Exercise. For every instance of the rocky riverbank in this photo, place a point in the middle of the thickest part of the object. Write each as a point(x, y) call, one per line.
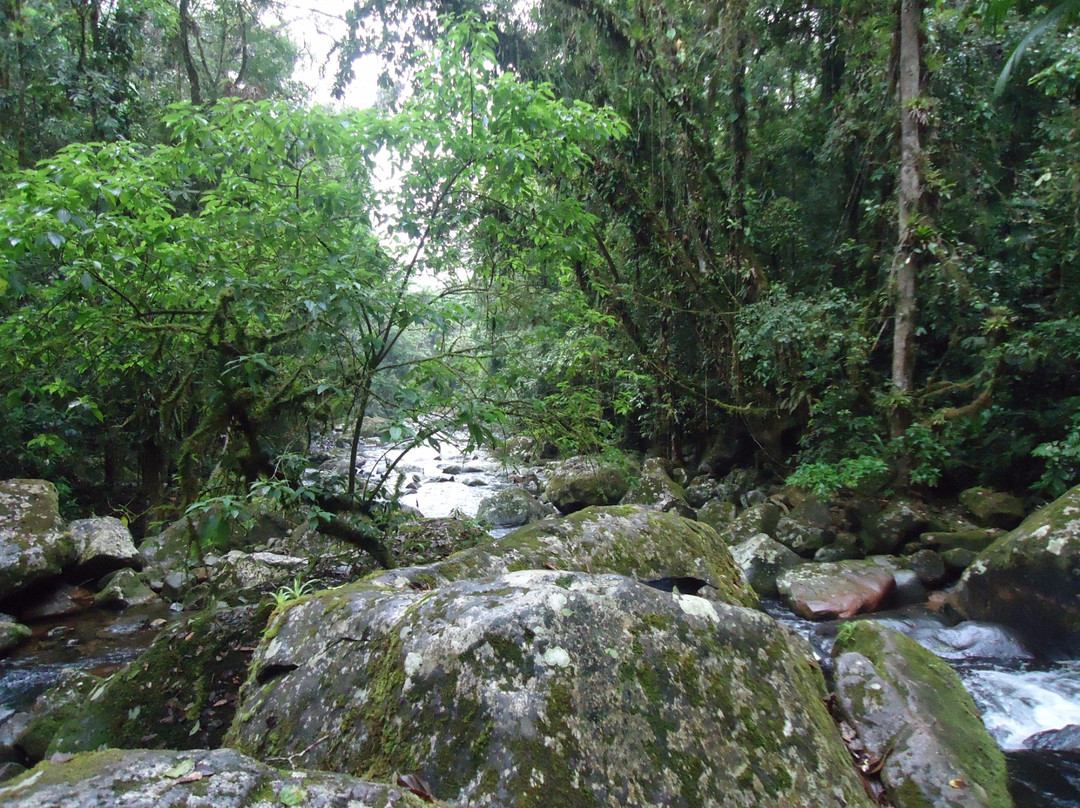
point(610, 652)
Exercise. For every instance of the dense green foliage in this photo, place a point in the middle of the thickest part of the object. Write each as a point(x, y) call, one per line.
point(193, 285)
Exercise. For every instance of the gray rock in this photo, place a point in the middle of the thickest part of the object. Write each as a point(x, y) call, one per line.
point(911, 712)
point(901, 521)
point(624, 539)
point(844, 546)
point(839, 589)
point(552, 688)
point(583, 481)
point(993, 508)
point(219, 778)
point(61, 600)
point(718, 514)
point(52, 708)
point(180, 693)
point(242, 577)
point(701, 490)
point(104, 544)
point(512, 507)
point(1028, 579)
point(123, 589)
point(928, 565)
point(760, 518)
point(12, 635)
point(33, 543)
point(657, 491)
point(801, 538)
point(1065, 739)
point(762, 559)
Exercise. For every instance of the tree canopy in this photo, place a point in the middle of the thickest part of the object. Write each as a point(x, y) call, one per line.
point(674, 227)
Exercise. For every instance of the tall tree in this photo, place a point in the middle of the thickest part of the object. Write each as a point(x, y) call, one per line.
point(909, 198)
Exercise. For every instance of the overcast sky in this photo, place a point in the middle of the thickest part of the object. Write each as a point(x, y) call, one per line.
point(316, 29)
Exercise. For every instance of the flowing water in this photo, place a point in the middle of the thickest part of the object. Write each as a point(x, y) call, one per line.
point(1020, 698)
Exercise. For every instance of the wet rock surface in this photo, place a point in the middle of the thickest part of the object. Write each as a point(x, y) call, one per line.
point(219, 778)
point(548, 688)
point(1029, 579)
point(835, 589)
point(915, 720)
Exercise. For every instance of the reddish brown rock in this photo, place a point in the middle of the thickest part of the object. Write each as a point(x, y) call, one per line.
point(838, 589)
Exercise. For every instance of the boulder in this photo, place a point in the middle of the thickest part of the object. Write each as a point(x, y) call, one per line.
point(34, 546)
point(700, 490)
point(835, 589)
point(901, 521)
point(180, 693)
point(624, 539)
point(185, 541)
point(974, 539)
point(219, 778)
point(762, 559)
point(657, 491)
point(511, 507)
point(760, 518)
point(718, 514)
point(1029, 579)
point(240, 577)
point(12, 634)
point(582, 481)
point(914, 718)
point(424, 541)
point(59, 600)
point(548, 688)
point(52, 708)
point(993, 509)
point(123, 589)
point(104, 544)
point(1063, 739)
point(801, 538)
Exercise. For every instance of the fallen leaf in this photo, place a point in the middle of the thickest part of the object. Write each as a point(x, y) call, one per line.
point(291, 795)
point(957, 782)
point(191, 778)
point(190, 636)
point(417, 785)
point(184, 767)
point(221, 702)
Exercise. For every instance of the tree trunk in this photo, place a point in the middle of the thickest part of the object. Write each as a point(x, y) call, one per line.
point(186, 32)
point(910, 193)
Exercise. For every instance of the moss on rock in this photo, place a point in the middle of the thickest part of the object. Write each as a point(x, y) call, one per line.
point(548, 688)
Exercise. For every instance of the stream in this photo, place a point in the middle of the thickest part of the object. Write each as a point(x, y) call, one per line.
point(1018, 695)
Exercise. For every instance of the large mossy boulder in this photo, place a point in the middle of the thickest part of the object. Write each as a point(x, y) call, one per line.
point(34, 546)
point(180, 693)
point(219, 778)
point(546, 688)
point(624, 539)
point(1029, 579)
point(911, 713)
point(584, 481)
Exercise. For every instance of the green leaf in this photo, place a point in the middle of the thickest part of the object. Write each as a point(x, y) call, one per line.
point(183, 767)
point(291, 795)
